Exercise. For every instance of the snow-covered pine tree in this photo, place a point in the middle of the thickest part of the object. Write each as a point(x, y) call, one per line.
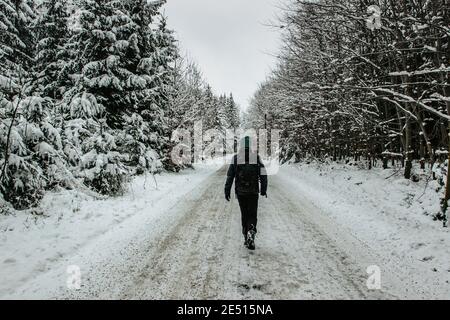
point(147, 50)
point(21, 178)
point(188, 83)
point(100, 71)
point(140, 56)
point(166, 55)
point(222, 116)
point(215, 121)
point(16, 48)
point(135, 44)
point(36, 161)
point(134, 141)
point(208, 111)
point(16, 38)
point(98, 99)
point(232, 110)
point(161, 116)
point(52, 32)
point(102, 167)
point(90, 146)
point(222, 107)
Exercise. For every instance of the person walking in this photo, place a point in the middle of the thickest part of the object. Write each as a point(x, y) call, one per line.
point(248, 172)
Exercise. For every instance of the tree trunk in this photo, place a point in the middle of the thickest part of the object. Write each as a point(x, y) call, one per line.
point(408, 138)
point(446, 91)
point(422, 155)
point(408, 160)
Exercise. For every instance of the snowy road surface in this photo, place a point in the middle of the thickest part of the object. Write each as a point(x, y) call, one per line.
point(197, 252)
point(203, 256)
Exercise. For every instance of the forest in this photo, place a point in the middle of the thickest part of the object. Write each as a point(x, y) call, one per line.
point(116, 173)
point(363, 81)
point(90, 93)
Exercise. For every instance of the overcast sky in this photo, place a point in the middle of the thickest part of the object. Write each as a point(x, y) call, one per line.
point(229, 41)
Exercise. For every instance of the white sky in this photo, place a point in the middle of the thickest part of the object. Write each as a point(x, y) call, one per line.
point(229, 40)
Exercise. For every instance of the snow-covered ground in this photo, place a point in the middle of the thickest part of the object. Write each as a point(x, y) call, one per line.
point(392, 216)
point(44, 242)
point(319, 230)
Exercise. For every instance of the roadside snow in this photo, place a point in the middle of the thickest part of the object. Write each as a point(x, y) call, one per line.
point(41, 243)
point(391, 215)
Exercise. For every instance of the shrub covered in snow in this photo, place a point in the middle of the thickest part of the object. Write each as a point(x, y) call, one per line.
point(134, 143)
point(101, 165)
point(35, 159)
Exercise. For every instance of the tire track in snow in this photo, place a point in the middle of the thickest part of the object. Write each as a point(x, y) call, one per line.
point(179, 267)
point(202, 256)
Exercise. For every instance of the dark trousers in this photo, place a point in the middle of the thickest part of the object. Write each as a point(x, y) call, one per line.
point(249, 211)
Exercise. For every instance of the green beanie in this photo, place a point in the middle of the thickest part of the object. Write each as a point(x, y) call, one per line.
point(245, 142)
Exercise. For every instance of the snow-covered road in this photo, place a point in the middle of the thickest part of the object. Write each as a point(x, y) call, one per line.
point(301, 254)
point(196, 252)
point(203, 256)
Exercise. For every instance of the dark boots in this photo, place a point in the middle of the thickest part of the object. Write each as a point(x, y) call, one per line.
point(250, 238)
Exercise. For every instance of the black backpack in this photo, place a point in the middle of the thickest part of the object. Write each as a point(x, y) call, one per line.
point(247, 178)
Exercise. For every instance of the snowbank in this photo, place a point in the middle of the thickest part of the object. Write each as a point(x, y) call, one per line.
point(393, 216)
point(69, 224)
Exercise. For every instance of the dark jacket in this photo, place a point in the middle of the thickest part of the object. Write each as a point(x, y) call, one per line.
point(232, 175)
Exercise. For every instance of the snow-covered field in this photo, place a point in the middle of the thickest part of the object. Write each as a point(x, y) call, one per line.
point(319, 230)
